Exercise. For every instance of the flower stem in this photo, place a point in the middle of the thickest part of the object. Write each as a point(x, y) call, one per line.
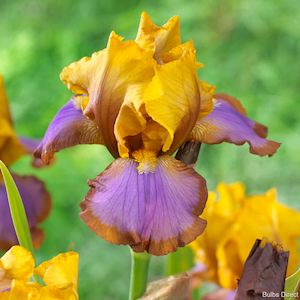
point(139, 274)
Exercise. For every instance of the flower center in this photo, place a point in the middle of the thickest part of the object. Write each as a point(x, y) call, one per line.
point(146, 159)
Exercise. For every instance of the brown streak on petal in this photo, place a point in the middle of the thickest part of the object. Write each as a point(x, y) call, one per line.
point(4, 245)
point(38, 237)
point(261, 130)
point(114, 236)
point(109, 233)
point(269, 149)
point(166, 246)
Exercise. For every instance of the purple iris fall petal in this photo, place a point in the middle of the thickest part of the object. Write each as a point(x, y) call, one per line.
point(158, 211)
point(68, 128)
point(228, 123)
point(37, 205)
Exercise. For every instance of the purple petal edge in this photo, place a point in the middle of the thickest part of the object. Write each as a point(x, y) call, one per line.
point(68, 128)
point(227, 124)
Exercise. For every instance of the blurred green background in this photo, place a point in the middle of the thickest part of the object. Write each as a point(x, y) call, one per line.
point(251, 49)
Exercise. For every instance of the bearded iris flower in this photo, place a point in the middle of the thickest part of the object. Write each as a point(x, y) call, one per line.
point(35, 197)
point(235, 221)
point(59, 275)
point(143, 99)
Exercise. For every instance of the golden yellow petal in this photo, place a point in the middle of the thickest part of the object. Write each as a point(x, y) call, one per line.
point(10, 147)
point(206, 91)
point(177, 52)
point(235, 221)
point(158, 39)
point(230, 263)
point(61, 271)
point(78, 76)
point(5, 296)
point(17, 263)
point(172, 99)
point(47, 293)
point(4, 108)
point(130, 121)
point(232, 197)
point(105, 78)
point(154, 136)
point(21, 290)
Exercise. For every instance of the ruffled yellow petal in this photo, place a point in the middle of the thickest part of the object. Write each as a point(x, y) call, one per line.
point(230, 263)
point(158, 39)
point(10, 147)
point(105, 78)
point(207, 92)
point(220, 212)
point(172, 98)
point(154, 136)
point(25, 291)
point(235, 221)
point(4, 296)
point(4, 108)
point(130, 121)
point(60, 274)
point(17, 263)
point(176, 52)
point(135, 128)
point(232, 199)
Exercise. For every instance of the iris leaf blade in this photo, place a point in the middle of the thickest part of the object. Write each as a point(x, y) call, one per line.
point(17, 209)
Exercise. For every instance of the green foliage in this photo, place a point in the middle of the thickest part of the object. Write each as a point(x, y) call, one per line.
point(16, 209)
point(250, 49)
point(292, 284)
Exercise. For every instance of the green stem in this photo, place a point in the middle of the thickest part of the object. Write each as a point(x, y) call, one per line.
point(139, 274)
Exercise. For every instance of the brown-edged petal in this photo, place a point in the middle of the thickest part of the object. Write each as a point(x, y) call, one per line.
point(228, 123)
point(157, 211)
point(68, 128)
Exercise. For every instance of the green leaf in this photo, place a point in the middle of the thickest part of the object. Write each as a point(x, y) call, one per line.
point(17, 209)
point(291, 285)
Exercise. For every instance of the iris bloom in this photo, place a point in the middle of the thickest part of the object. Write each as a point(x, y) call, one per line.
point(142, 99)
point(59, 275)
point(235, 221)
point(35, 197)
